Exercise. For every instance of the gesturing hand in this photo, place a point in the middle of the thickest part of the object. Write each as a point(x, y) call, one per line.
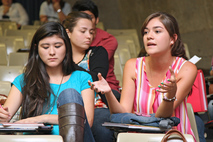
point(100, 86)
point(171, 87)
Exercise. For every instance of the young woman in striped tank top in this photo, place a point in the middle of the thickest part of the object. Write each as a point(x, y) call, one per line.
point(160, 82)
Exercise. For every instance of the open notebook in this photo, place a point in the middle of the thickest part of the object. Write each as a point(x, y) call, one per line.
point(22, 127)
point(119, 127)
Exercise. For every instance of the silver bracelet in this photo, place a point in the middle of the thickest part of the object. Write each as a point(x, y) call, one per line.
point(169, 100)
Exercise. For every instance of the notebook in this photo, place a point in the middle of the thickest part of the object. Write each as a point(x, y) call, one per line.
point(29, 127)
point(120, 127)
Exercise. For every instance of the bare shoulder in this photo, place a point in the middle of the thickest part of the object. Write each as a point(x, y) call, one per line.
point(129, 68)
point(188, 69)
point(131, 62)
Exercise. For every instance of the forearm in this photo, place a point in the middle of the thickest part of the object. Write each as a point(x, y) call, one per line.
point(114, 105)
point(165, 109)
point(61, 16)
point(50, 118)
point(45, 118)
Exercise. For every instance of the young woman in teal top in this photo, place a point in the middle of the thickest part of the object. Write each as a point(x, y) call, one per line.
point(49, 71)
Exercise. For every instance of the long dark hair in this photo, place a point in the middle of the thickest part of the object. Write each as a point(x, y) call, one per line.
point(36, 91)
point(172, 27)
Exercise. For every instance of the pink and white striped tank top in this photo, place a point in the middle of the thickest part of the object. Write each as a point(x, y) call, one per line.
point(147, 99)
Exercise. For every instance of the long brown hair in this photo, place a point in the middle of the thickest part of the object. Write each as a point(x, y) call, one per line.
point(172, 27)
point(36, 91)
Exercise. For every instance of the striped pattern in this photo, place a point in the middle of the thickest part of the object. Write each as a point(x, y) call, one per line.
point(147, 99)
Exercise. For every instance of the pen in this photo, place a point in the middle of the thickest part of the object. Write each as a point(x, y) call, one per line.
point(1, 106)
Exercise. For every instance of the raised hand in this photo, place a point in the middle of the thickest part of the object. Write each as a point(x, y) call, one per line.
point(100, 86)
point(56, 6)
point(171, 87)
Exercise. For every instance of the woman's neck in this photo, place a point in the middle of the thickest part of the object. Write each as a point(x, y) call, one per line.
point(55, 74)
point(163, 62)
point(156, 69)
point(78, 55)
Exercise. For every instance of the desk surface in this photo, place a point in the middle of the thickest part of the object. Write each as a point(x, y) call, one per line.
point(31, 138)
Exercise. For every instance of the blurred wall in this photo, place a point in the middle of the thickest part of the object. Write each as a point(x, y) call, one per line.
point(195, 20)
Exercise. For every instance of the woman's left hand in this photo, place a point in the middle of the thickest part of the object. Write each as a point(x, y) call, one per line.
point(171, 87)
point(100, 86)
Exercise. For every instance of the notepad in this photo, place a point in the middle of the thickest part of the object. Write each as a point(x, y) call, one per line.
point(29, 127)
point(132, 127)
point(20, 125)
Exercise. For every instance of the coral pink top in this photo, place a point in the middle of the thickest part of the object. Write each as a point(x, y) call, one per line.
point(147, 99)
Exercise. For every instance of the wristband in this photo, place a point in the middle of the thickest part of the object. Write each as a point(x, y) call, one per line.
point(59, 10)
point(169, 100)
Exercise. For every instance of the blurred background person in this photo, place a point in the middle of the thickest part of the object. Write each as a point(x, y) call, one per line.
point(54, 10)
point(13, 11)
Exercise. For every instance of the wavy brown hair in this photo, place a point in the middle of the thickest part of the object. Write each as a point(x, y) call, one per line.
point(172, 27)
point(36, 91)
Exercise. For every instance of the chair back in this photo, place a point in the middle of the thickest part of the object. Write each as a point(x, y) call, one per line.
point(128, 40)
point(8, 25)
point(192, 120)
point(10, 42)
point(1, 31)
point(3, 54)
point(18, 58)
point(30, 27)
point(9, 73)
point(132, 32)
point(123, 54)
point(118, 70)
point(5, 87)
point(26, 34)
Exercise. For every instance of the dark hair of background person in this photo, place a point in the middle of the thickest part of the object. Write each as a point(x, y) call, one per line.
point(72, 19)
point(36, 91)
point(84, 5)
point(61, 3)
point(172, 27)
